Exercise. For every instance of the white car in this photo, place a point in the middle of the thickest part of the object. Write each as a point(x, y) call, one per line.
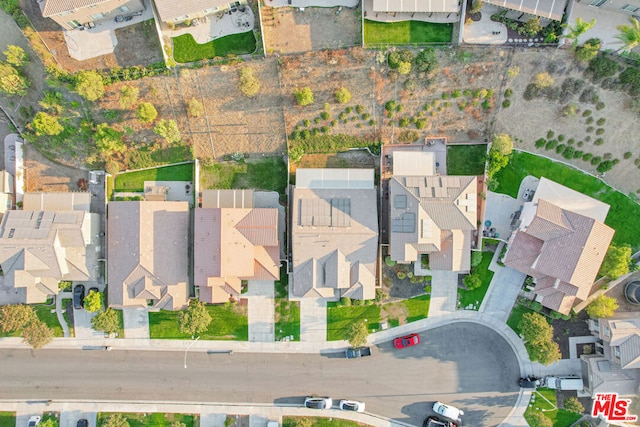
point(448, 411)
point(318, 402)
point(351, 405)
point(34, 421)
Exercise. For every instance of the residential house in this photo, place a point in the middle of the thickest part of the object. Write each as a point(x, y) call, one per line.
point(70, 14)
point(334, 228)
point(7, 191)
point(522, 10)
point(616, 365)
point(624, 7)
point(78, 201)
point(431, 214)
point(561, 243)
point(233, 242)
point(416, 6)
point(40, 248)
point(171, 11)
point(148, 254)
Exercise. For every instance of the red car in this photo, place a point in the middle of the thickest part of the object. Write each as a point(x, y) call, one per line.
point(408, 341)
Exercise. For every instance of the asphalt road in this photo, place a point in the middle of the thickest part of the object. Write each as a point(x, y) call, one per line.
point(464, 364)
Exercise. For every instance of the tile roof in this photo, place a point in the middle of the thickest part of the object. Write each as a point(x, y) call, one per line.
point(334, 243)
point(148, 254)
point(227, 198)
point(552, 9)
point(61, 201)
point(53, 7)
point(231, 245)
point(608, 377)
point(425, 6)
point(169, 10)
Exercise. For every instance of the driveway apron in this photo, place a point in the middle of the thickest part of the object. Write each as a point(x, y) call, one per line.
point(313, 319)
point(444, 293)
point(503, 290)
point(261, 310)
point(136, 323)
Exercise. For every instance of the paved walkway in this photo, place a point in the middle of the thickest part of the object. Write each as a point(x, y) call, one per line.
point(313, 320)
point(503, 290)
point(485, 31)
point(60, 309)
point(136, 323)
point(444, 293)
point(215, 26)
point(261, 310)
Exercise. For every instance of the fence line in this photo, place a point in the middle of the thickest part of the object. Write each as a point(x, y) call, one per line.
point(157, 167)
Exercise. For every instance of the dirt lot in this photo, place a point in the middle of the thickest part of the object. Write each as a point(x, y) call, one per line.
point(287, 30)
point(137, 44)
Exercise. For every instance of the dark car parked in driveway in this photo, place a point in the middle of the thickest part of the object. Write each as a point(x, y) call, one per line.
point(78, 297)
point(82, 423)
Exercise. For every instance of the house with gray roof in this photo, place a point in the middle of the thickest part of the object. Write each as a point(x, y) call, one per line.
point(430, 214)
point(71, 14)
point(148, 263)
point(561, 243)
point(188, 10)
point(616, 365)
point(40, 248)
point(334, 233)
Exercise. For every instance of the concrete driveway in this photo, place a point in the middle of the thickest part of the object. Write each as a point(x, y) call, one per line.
point(82, 324)
point(313, 319)
point(71, 418)
point(261, 310)
point(136, 323)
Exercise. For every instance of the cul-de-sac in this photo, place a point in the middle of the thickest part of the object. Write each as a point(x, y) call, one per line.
point(319, 213)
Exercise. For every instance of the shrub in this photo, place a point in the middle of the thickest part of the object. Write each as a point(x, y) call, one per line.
point(599, 131)
point(540, 142)
point(248, 83)
point(146, 112)
point(589, 129)
point(89, 85)
point(589, 120)
point(345, 301)
point(551, 144)
point(630, 78)
point(578, 154)
point(401, 275)
point(568, 152)
point(508, 93)
point(601, 67)
point(543, 80)
point(343, 95)
point(421, 123)
point(627, 155)
point(550, 134)
point(325, 116)
point(587, 156)
point(426, 61)
point(46, 124)
point(404, 122)
point(601, 121)
point(598, 141)
point(568, 110)
point(536, 306)
point(304, 96)
point(128, 96)
point(595, 160)
point(195, 108)
point(571, 141)
point(560, 138)
point(168, 129)
point(605, 166)
point(472, 281)
point(390, 107)
point(505, 104)
point(590, 96)
point(586, 113)
point(560, 148)
point(408, 136)
point(600, 105)
point(588, 50)
point(476, 258)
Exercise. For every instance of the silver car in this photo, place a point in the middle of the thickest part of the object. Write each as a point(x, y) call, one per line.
point(318, 402)
point(351, 405)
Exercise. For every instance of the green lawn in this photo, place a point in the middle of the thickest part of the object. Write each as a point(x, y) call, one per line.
point(288, 319)
point(560, 417)
point(120, 330)
point(110, 186)
point(185, 48)
point(152, 420)
point(416, 308)
point(624, 214)
point(266, 174)
point(7, 419)
point(466, 159)
point(406, 32)
point(340, 318)
point(229, 322)
point(282, 285)
point(134, 181)
point(516, 316)
point(470, 297)
point(51, 319)
point(320, 422)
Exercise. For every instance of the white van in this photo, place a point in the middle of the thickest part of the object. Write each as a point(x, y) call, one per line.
point(564, 383)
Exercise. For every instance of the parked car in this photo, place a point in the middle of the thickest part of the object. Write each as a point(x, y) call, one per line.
point(351, 405)
point(272, 424)
point(529, 382)
point(407, 341)
point(434, 421)
point(34, 421)
point(355, 353)
point(78, 297)
point(448, 411)
point(318, 402)
point(82, 423)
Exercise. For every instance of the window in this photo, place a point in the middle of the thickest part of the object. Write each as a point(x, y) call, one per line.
point(616, 352)
point(73, 24)
point(124, 9)
point(97, 16)
point(630, 8)
point(597, 3)
point(181, 18)
point(607, 331)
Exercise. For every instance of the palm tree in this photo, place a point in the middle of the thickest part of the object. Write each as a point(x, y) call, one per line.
point(579, 29)
point(629, 35)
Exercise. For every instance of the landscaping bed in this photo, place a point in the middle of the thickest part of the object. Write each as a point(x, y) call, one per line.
point(153, 419)
point(559, 417)
point(574, 327)
point(320, 422)
point(476, 296)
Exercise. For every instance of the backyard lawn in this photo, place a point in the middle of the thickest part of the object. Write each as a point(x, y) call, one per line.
point(134, 181)
point(466, 159)
point(624, 214)
point(7, 419)
point(185, 48)
point(559, 417)
point(152, 420)
point(339, 318)
point(266, 174)
point(229, 322)
point(470, 297)
point(376, 33)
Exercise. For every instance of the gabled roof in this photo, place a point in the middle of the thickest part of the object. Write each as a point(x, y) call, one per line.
point(148, 254)
point(607, 377)
point(231, 245)
point(435, 215)
point(625, 333)
point(53, 7)
point(334, 226)
point(169, 10)
point(61, 201)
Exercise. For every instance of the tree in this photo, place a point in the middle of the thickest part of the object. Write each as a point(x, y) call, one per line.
point(128, 96)
point(195, 319)
point(538, 419)
point(89, 85)
point(16, 55)
point(49, 422)
point(578, 29)
point(404, 68)
point(602, 307)
point(146, 112)
point(304, 96)
point(93, 301)
point(476, 6)
point(168, 129)
point(107, 139)
point(546, 352)
point(476, 259)
point(343, 95)
point(572, 404)
point(15, 317)
point(46, 124)
point(532, 26)
point(616, 262)
point(249, 84)
point(195, 108)
point(588, 50)
point(426, 61)
point(11, 82)
point(629, 34)
point(472, 281)
point(502, 143)
point(106, 321)
point(37, 334)
point(357, 333)
point(115, 420)
point(535, 329)
point(398, 57)
point(177, 423)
